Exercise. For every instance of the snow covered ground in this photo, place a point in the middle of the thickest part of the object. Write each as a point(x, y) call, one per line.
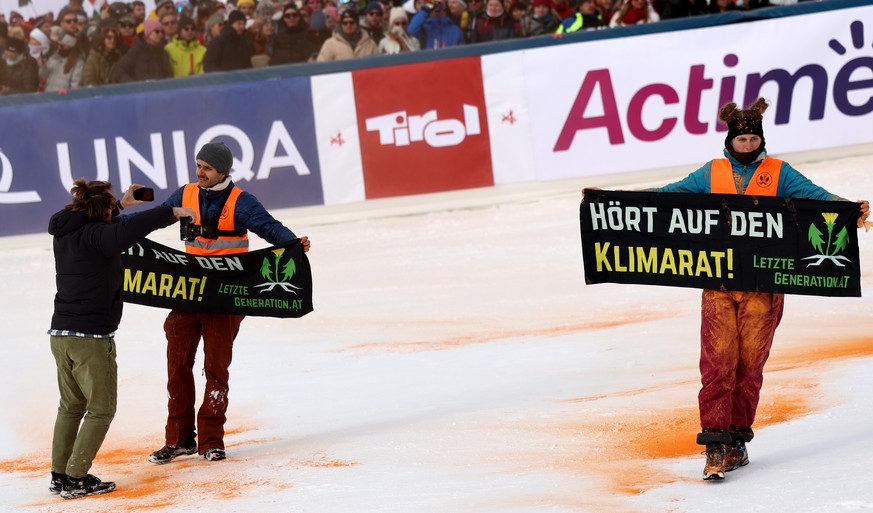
point(456, 362)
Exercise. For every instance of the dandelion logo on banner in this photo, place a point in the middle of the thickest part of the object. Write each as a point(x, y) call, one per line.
point(833, 246)
point(275, 277)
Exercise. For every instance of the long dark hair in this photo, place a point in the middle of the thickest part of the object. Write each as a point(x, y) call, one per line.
point(74, 55)
point(100, 41)
point(94, 198)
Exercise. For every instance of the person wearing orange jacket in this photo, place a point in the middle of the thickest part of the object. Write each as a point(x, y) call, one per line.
point(224, 216)
point(737, 328)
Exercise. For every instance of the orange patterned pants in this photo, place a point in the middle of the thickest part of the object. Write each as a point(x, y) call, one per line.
point(736, 333)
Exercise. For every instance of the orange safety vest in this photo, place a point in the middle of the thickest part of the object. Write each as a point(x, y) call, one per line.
point(224, 244)
point(764, 182)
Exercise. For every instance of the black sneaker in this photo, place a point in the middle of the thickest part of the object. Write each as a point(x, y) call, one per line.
point(57, 483)
point(714, 468)
point(214, 454)
point(737, 456)
point(73, 487)
point(168, 453)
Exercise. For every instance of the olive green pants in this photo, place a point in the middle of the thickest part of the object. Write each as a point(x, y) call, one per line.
point(88, 383)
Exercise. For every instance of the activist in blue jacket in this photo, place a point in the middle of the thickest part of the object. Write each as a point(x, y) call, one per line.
point(88, 239)
point(791, 183)
point(737, 328)
point(433, 28)
point(223, 215)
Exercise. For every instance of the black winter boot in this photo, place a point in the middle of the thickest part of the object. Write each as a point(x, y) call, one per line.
point(75, 487)
point(57, 483)
point(168, 453)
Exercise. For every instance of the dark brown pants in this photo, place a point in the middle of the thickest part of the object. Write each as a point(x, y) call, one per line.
point(736, 333)
point(184, 331)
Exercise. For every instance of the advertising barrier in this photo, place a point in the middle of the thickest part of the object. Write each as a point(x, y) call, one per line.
point(151, 139)
point(638, 103)
point(569, 109)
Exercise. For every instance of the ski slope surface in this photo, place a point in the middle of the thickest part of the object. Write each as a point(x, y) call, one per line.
point(456, 362)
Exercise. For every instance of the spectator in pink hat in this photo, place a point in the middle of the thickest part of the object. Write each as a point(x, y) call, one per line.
point(146, 59)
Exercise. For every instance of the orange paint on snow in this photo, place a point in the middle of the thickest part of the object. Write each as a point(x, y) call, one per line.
point(551, 331)
point(816, 351)
point(625, 450)
point(323, 460)
point(143, 486)
point(329, 463)
point(27, 464)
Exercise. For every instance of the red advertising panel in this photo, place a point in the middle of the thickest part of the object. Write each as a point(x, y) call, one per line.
point(423, 128)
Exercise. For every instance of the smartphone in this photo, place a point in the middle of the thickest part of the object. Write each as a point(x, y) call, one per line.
point(144, 194)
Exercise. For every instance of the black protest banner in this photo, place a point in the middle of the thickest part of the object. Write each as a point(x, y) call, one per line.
point(721, 241)
point(272, 282)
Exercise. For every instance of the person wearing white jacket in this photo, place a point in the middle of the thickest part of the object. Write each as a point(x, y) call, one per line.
point(397, 39)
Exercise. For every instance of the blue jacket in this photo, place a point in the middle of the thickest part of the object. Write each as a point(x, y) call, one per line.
point(249, 214)
point(439, 31)
point(792, 184)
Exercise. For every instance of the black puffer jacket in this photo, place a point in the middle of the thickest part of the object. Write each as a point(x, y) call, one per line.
point(21, 78)
point(293, 45)
point(88, 266)
point(142, 62)
point(228, 51)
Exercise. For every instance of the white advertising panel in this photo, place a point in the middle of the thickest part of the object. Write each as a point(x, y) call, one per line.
point(512, 157)
point(339, 145)
point(652, 101)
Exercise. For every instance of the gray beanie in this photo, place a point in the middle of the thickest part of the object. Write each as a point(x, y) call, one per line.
point(217, 155)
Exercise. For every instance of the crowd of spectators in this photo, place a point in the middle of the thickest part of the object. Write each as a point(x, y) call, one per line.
point(122, 42)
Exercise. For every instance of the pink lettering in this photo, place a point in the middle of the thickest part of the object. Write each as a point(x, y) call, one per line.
point(576, 120)
point(635, 112)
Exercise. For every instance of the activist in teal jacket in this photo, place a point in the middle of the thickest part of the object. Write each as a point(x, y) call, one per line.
point(792, 184)
point(184, 433)
point(737, 328)
point(88, 239)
